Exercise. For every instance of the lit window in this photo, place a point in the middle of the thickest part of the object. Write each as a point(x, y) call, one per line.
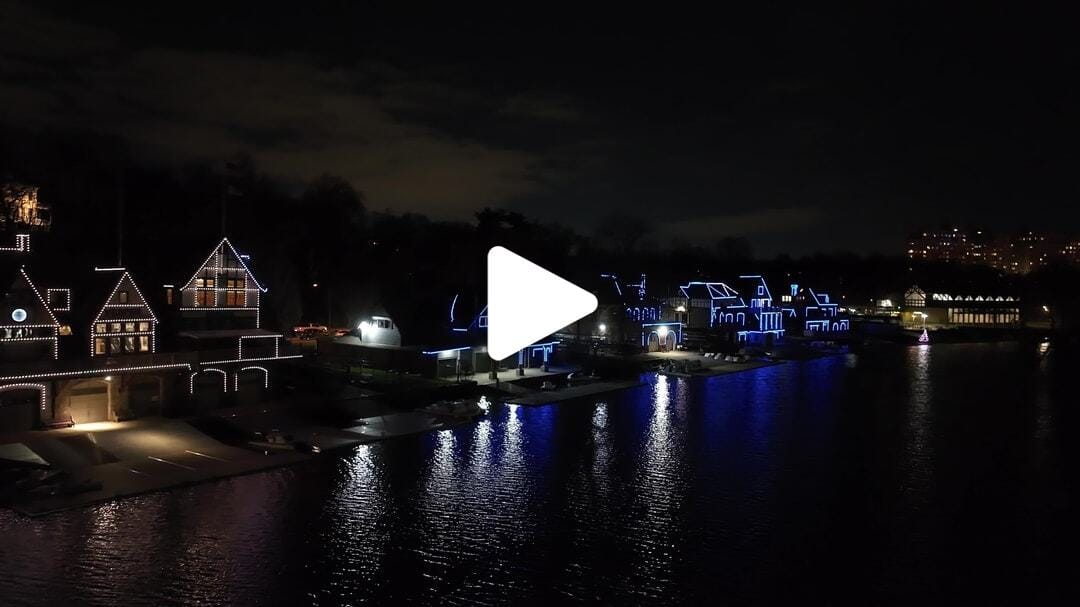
point(99, 346)
point(129, 327)
point(114, 327)
point(122, 297)
point(144, 343)
point(144, 326)
point(101, 328)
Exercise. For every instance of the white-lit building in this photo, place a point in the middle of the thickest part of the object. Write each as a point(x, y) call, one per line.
point(87, 346)
point(942, 310)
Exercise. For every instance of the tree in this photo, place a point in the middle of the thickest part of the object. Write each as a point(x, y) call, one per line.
point(734, 248)
point(623, 232)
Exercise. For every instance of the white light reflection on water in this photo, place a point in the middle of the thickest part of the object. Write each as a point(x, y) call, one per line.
point(1044, 414)
point(360, 508)
point(440, 488)
point(918, 449)
point(601, 443)
point(659, 492)
point(480, 454)
point(512, 442)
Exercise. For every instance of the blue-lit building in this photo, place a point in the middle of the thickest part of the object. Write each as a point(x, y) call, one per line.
point(814, 313)
point(822, 316)
point(465, 349)
point(627, 315)
point(717, 312)
point(764, 321)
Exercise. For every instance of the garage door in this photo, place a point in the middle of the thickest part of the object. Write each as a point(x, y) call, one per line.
point(19, 410)
point(143, 399)
point(208, 391)
point(89, 405)
point(250, 388)
point(447, 367)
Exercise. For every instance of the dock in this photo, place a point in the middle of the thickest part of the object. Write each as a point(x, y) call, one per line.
point(115, 460)
point(545, 397)
point(111, 460)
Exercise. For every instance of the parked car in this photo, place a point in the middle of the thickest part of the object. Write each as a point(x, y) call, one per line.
point(310, 331)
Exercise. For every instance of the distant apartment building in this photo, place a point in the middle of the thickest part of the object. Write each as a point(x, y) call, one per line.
point(1070, 251)
point(951, 245)
point(1017, 253)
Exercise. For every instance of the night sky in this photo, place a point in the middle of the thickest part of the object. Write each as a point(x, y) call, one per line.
point(799, 131)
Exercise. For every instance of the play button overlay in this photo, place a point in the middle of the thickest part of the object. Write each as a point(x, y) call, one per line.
point(526, 303)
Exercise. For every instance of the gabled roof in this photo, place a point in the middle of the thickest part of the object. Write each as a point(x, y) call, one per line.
point(821, 299)
point(112, 309)
point(24, 295)
point(465, 309)
point(229, 249)
point(610, 289)
point(708, 290)
point(758, 279)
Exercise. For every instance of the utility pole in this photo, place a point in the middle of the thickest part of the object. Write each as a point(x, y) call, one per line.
point(121, 190)
point(224, 199)
point(231, 169)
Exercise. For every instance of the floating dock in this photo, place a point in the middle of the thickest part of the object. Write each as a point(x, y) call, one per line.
point(544, 397)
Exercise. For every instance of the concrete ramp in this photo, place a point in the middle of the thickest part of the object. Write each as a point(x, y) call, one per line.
point(21, 454)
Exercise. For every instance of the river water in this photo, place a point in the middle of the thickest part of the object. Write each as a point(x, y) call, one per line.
point(892, 475)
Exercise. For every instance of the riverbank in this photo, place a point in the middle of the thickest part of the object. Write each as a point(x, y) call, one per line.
point(107, 461)
point(93, 463)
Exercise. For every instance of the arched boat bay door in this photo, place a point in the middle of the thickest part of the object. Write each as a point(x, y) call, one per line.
point(20, 407)
point(208, 389)
point(250, 385)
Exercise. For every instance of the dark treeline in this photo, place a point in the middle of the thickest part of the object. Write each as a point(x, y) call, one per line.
point(323, 252)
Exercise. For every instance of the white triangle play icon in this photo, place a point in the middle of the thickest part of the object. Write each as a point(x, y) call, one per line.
point(527, 303)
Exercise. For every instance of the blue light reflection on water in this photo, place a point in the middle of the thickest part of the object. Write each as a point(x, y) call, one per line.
point(839, 477)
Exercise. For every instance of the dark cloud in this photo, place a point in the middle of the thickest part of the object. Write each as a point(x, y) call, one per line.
point(297, 118)
point(802, 130)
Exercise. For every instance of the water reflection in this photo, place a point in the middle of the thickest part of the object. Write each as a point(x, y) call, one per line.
point(919, 464)
point(742, 488)
point(360, 507)
point(658, 497)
